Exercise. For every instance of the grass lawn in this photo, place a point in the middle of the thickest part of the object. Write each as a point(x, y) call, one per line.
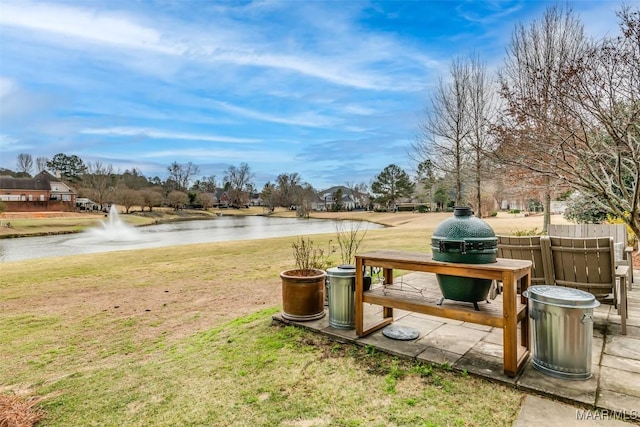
point(183, 336)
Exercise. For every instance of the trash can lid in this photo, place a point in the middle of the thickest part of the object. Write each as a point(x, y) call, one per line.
point(344, 270)
point(561, 296)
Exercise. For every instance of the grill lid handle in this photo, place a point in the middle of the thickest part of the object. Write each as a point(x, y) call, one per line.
point(462, 246)
point(447, 245)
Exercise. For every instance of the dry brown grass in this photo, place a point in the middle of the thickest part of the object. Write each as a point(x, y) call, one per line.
point(18, 412)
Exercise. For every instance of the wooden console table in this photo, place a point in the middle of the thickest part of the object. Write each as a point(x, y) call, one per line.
point(512, 312)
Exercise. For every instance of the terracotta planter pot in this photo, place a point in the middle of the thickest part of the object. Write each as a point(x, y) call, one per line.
point(303, 294)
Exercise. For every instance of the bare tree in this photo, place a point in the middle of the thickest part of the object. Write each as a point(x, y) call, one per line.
point(205, 199)
point(128, 198)
point(579, 122)
point(100, 181)
point(442, 135)
point(177, 199)
point(601, 149)
point(536, 56)
point(41, 164)
point(25, 163)
point(288, 187)
point(181, 174)
point(238, 181)
point(482, 108)
point(305, 198)
point(207, 184)
point(150, 197)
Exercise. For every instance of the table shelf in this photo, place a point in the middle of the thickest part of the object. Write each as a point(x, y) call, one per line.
point(508, 315)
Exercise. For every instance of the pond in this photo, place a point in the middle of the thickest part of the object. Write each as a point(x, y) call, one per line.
point(115, 236)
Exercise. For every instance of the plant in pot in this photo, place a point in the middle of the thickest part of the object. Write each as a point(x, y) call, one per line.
point(342, 279)
point(303, 287)
point(349, 237)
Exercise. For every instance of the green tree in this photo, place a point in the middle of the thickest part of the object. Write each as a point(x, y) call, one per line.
point(584, 210)
point(425, 176)
point(441, 198)
point(337, 200)
point(192, 195)
point(391, 184)
point(269, 196)
point(70, 168)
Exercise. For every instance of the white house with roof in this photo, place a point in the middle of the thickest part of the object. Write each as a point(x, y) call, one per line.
point(328, 198)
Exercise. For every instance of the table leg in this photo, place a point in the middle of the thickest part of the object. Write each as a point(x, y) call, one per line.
point(388, 280)
point(510, 327)
point(525, 282)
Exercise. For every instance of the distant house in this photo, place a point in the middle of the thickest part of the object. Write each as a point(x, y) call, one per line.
point(85, 204)
point(349, 200)
point(221, 198)
point(43, 192)
point(255, 199)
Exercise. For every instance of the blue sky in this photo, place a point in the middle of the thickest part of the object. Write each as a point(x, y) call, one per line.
point(332, 90)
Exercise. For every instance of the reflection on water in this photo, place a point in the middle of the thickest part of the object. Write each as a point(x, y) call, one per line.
point(220, 229)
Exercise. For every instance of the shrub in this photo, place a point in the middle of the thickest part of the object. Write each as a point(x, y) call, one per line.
point(583, 210)
point(525, 232)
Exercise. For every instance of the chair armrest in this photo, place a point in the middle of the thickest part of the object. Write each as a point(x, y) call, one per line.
point(622, 271)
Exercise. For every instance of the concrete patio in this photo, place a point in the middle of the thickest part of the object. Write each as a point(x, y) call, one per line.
point(614, 386)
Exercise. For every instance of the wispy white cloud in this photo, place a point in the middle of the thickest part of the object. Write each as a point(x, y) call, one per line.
point(488, 12)
point(208, 155)
point(225, 45)
point(7, 86)
point(6, 140)
point(160, 134)
point(308, 119)
point(9, 143)
point(83, 23)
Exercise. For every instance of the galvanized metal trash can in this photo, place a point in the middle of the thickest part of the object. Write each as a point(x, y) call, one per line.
point(341, 288)
point(561, 330)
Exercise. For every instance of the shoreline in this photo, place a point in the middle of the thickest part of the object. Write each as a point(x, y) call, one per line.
point(33, 224)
